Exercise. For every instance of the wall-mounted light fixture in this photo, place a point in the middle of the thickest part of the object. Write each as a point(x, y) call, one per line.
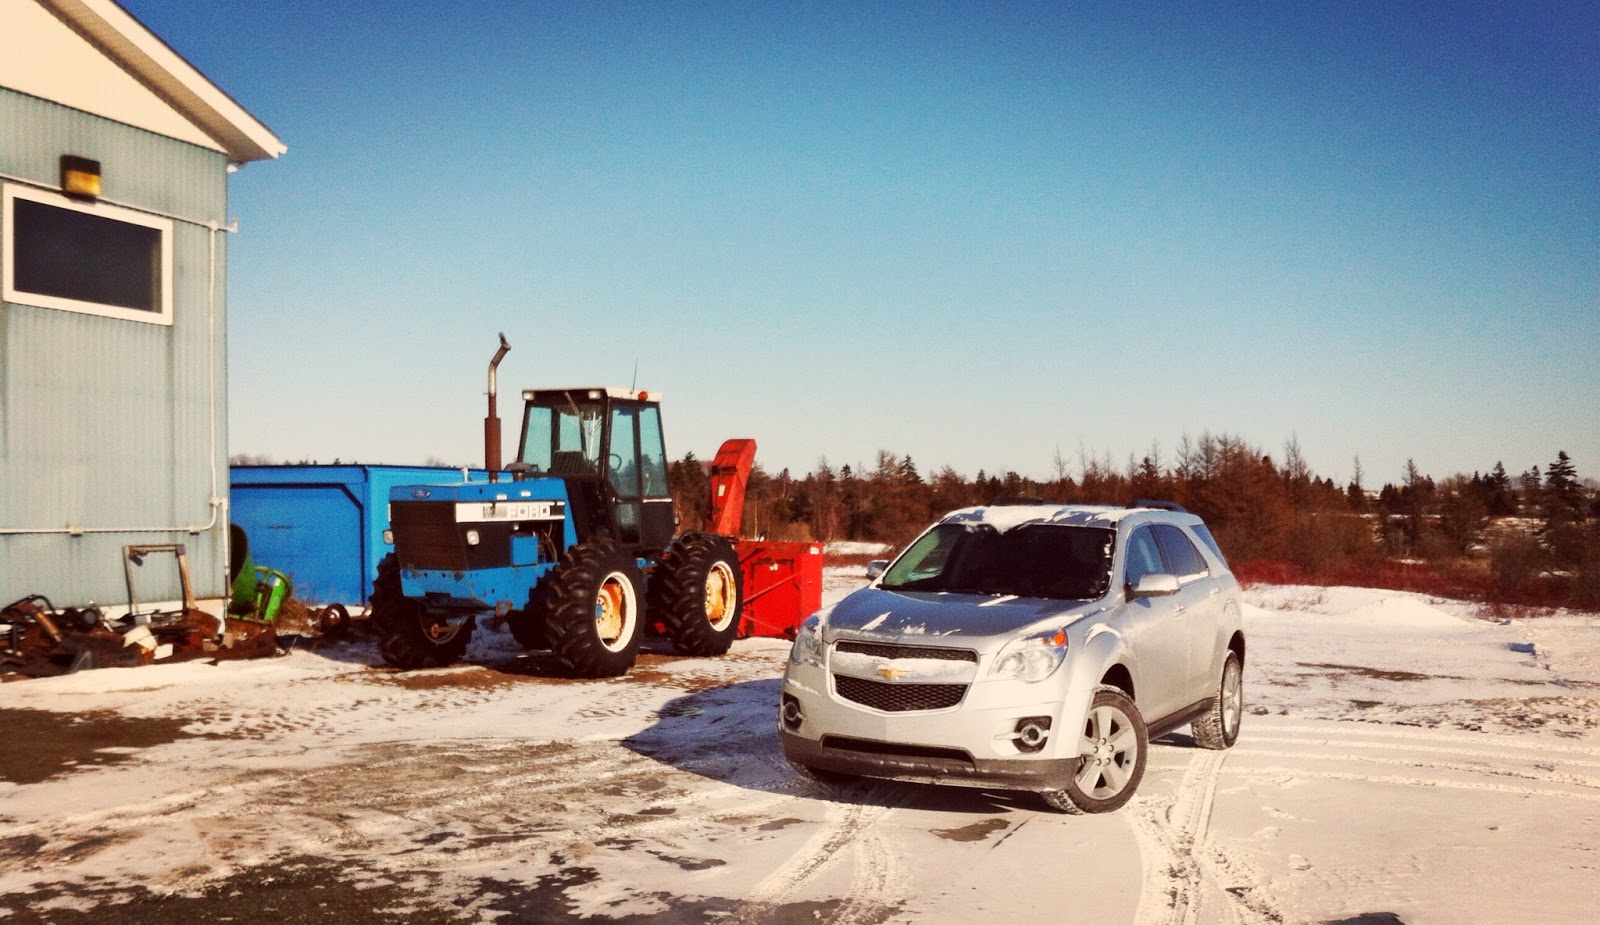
point(80, 177)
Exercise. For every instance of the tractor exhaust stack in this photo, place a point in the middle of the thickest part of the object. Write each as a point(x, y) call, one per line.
point(491, 424)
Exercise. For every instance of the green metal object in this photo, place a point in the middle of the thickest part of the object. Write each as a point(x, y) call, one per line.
point(272, 589)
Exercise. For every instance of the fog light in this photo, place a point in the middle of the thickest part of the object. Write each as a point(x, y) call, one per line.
point(791, 713)
point(1032, 733)
point(472, 537)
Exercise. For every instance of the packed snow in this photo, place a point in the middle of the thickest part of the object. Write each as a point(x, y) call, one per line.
point(1402, 759)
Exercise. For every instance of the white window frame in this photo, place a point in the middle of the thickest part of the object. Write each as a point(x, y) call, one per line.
point(11, 192)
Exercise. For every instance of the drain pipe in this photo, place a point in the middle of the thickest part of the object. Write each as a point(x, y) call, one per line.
point(491, 424)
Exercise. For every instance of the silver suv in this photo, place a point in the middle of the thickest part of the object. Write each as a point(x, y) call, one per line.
point(1024, 646)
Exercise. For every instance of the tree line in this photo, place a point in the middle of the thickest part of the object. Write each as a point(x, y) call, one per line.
point(1529, 539)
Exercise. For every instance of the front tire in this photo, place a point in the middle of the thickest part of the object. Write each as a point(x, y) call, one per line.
point(698, 594)
point(1219, 727)
point(410, 635)
point(1113, 747)
point(592, 611)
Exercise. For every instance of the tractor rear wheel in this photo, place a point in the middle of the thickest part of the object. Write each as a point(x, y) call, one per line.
point(698, 593)
point(592, 610)
point(410, 635)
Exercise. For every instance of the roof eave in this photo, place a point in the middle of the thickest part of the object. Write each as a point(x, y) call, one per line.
point(115, 31)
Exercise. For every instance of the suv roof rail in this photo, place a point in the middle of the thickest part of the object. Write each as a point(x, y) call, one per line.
point(1159, 505)
point(1016, 499)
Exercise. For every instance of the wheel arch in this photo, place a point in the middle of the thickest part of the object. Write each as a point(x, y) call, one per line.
point(1118, 676)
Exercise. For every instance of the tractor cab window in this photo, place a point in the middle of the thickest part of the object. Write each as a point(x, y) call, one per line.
point(624, 468)
point(652, 453)
point(564, 438)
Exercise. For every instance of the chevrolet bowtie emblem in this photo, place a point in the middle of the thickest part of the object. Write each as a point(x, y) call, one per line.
point(892, 674)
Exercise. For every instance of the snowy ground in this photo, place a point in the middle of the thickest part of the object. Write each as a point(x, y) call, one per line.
point(1401, 761)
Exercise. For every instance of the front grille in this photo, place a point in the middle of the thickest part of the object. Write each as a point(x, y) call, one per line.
point(425, 535)
point(884, 650)
point(898, 698)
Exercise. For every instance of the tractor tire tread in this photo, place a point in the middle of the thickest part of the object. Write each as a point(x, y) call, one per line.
point(564, 602)
point(678, 593)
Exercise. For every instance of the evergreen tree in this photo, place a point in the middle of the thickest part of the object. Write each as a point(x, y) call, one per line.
point(1564, 512)
point(1497, 492)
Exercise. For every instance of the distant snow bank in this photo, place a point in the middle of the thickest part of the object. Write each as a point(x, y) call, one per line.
point(1361, 606)
point(856, 548)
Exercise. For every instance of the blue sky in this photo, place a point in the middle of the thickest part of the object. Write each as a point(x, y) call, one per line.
point(973, 234)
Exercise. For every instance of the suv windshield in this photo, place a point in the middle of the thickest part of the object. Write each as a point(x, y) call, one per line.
point(1036, 560)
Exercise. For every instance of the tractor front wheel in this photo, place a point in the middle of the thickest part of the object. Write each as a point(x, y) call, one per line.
point(410, 635)
point(698, 593)
point(592, 610)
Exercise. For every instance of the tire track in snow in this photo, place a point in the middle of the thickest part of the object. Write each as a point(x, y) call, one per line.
point(1349, 731)
point(1284, 772)
point(1546, 774)
point(874, 872)
point(1542, 755)
point(1182, 867)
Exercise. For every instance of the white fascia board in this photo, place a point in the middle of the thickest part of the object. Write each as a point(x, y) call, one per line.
point(143, 53)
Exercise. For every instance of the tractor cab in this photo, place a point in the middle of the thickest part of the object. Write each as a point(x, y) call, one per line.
point(606, 445)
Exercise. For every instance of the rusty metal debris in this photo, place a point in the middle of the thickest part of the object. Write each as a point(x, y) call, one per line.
point(37, 640)
point(40, 640)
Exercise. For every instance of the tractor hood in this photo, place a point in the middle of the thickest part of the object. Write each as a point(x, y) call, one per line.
point(911, 616)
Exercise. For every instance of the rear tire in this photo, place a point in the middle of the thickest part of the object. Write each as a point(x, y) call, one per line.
point(1219, 727)
point(1114, 742)
point(409, 635)
point(698, 594)
point(592, 610)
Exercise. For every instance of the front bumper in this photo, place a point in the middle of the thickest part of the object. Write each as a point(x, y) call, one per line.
point(924, 764)
point(974, 743)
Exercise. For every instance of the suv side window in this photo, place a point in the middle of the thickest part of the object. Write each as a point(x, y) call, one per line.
point(1143, 557)
point(1183, 560)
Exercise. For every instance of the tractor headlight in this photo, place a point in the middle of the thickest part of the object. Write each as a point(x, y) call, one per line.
point(1034, 657)
point(807, 648)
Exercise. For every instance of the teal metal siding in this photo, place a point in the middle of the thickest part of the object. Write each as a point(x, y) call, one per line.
point(105, 423)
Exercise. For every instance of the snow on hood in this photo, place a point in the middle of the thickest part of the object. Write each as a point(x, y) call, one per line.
point(899, 615)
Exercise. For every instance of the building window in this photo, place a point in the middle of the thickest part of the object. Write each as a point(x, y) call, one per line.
point(86, 257)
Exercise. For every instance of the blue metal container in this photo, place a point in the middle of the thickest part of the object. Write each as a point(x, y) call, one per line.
point(324, 525)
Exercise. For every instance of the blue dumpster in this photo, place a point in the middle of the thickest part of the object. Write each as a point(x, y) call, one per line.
point(323, 525)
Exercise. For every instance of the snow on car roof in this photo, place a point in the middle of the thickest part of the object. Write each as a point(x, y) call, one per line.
point(1005, 517)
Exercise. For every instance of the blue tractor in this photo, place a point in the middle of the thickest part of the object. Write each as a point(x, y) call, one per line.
point(572, 544)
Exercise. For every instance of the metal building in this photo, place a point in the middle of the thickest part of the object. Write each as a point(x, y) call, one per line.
point(114, 162)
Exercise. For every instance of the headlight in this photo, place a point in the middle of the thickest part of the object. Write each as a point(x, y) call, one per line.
point(808, 643)
point(1033, 658)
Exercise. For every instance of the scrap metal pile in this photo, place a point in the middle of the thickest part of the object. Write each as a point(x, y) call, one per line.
point(37, 640)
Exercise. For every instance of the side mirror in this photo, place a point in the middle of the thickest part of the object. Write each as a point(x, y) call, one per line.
point(1156, 586)
point(876, 568)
